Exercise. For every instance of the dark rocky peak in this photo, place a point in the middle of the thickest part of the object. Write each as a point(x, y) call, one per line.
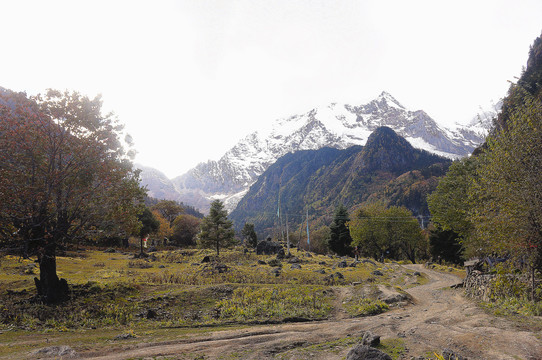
point(387, 151)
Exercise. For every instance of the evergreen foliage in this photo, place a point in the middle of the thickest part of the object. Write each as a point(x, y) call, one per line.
point(150, 223)
point(446, 245)
point(249, 235)
point(216, 230)
point(340, 239)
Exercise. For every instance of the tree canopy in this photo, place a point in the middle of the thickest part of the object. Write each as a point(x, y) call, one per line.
point(216, 230)
point(340, 239)
point(382, 232)
point(64, 176)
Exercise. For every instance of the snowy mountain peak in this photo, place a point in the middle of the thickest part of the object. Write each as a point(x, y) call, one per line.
point(389, 100)
point(335, 125)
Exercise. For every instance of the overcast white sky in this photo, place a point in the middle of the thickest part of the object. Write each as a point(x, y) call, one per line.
point(191, 78)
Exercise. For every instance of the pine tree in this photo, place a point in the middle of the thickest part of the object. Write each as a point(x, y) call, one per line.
point(216, 230)
point(249, 234)
point(340, 239)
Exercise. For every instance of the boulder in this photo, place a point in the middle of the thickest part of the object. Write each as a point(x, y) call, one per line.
point(269, 248)
point(377, 273)
point(342, 264)
point(295, 266)
point(275, 271)
point(364, 352)
point(370, 339)
point(294, 260)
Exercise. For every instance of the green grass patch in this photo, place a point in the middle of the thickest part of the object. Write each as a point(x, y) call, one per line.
point(275, 303)
point(394, 347)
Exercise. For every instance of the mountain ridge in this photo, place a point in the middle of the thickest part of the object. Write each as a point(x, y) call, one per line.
point(319, 180)
point(335, 125)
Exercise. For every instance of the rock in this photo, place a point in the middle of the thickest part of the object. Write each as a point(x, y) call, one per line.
point(274, 262)
point(370, 339)
point(221, 268)
point(308, 254)
point(269, 248)
point(322, 263)
point(281, 254)
point(125, 336)
point(377, 273)
point(275, 271)
point(321, 271)
point(110, 251)
point(354, 263)
point(364, 352)
point(366, 261)
point(417, 273)
point(152, 249)
point(295, 266)
point(151, 314)
point(62, 351)
point(294, 260)
point(449, 354)
point(342, 264)
point(395, 298)
point(207, 259)
point(261, 262)
point(162, 267)
point(338, 275)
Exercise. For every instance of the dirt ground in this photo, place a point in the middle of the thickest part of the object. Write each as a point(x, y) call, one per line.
point(439, 318)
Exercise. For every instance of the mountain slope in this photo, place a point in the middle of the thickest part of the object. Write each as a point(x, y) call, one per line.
point(322, 179)
point(337, 126)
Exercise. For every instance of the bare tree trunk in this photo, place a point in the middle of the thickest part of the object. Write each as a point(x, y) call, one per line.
point(50, 288)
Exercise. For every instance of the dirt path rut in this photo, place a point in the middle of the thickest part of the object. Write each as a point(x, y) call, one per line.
point(439, 318)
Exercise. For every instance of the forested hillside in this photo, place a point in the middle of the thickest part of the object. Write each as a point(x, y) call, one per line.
point(316, 181)
point(493, 201)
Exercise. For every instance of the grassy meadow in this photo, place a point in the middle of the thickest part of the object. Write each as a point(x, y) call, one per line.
point(173, 293)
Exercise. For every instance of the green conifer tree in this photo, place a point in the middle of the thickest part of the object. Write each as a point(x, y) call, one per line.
point(216, 230)
point(340, 239)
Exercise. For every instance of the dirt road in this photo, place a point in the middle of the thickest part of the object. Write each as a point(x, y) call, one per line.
point(439, 318)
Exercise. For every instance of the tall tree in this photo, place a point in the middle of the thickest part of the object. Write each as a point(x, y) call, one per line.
point(249, 235)
point(185, 229)
point(340, 239)
point(383, 232)
point(165, 230)
point(64, 174)
point(150, 225)
point(449, 204)
point(216, 230)
point(508, 220)
point(169, 209)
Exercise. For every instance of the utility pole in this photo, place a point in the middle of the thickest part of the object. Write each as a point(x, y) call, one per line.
point(308, 234)
point(287, 236)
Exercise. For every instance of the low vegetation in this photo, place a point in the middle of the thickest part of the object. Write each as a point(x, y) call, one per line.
point(178, 289)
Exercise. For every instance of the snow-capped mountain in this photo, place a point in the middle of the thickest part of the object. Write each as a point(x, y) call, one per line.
point(158, 184)
point(336, 125)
